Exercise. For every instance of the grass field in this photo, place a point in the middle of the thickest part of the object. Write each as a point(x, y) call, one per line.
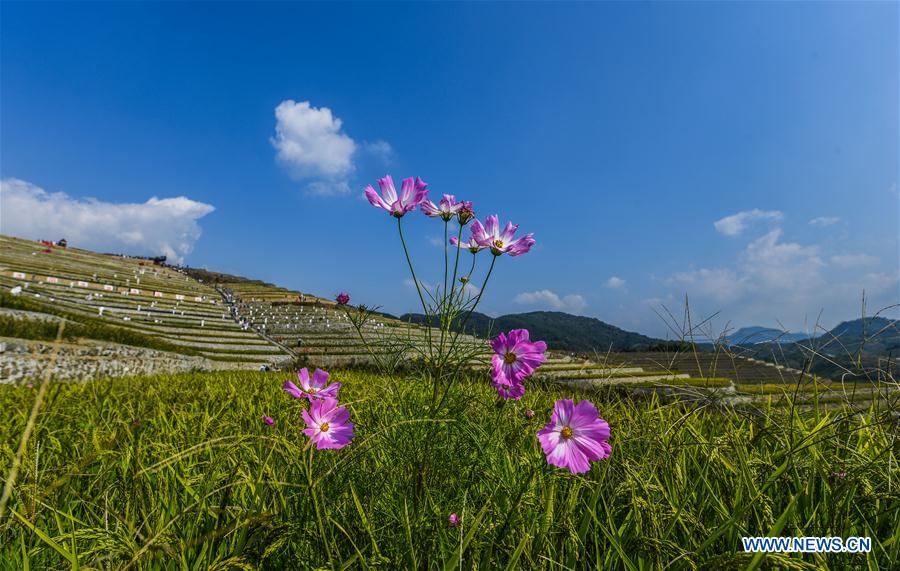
point(180, 472)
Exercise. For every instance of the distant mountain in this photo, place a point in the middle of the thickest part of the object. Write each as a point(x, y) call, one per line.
point(561, 331)
point(860, 346)
point(875, 333)
point(872, 336)
point(870, 327)
point(755, 334)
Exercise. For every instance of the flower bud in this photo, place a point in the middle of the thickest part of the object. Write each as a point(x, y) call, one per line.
point(466, 213)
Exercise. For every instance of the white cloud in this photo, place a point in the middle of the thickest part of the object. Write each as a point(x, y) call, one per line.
point(773, 279)
point(721, 284)
point(615, 283)
point(159, 226)
point(767, 266)
point(312, 146)
point(823, 221)
point(775, 265)
point(573, 303)
point(328, 188)
point(380, 149)
point(471, 289)
point(853, 260)
point(878, 282)
point(736, 223)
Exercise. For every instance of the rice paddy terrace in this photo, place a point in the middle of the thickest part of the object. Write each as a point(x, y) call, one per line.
point(174, 320)
point(318, 331)
point(714, 376)
point(130, 295)
point(239, 324)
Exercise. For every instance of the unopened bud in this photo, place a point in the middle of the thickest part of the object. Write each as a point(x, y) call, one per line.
point(465, 213)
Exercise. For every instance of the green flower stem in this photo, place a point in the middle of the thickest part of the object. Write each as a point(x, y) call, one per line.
point(480, 293)
point(455, 266)
point(418, 289)
point(462, 327)
point(469, 275)
point(445, 259)
point(444, 300)
point(315, 498)
point(448, 300)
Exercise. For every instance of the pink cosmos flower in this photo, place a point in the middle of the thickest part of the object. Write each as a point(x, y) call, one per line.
point(453, 520)
point(471, 245)
point(343, 298)
point(327, 424)
point(529, 414)
point(412, 193)
point(312, 389)
point(490, 236)
point(446, 209)
point(515, 356)
point(575, 436)
point(268, 420)
point(508, 390)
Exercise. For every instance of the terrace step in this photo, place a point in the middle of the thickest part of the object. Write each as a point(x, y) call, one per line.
point(616, 380)
point(600, 371)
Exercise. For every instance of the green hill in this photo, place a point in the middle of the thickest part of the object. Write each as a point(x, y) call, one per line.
point(561, 331)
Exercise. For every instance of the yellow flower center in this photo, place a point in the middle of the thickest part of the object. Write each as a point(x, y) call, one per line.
point(509, 358)
point(498, 243)
point(324, 427)
point(313, 389)
point(566, 432)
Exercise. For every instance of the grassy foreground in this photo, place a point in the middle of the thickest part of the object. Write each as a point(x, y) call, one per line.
point(179, 472)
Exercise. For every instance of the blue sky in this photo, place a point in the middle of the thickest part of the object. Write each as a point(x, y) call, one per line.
point(620, 134)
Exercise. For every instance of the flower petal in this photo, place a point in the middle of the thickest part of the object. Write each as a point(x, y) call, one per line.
point(374, 199)
point(303, 377)
point(387, 189)
point(407, 190)
point(492, 227)
point(508, 232)
point(293, 390)
point(520, 246)
point(320, 379)
point(499, 344)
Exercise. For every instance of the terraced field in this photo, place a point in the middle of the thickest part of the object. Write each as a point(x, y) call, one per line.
point(659, 366)
point(719, 376)
point(319, 331)
point(133, 294)
point(231, 324)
